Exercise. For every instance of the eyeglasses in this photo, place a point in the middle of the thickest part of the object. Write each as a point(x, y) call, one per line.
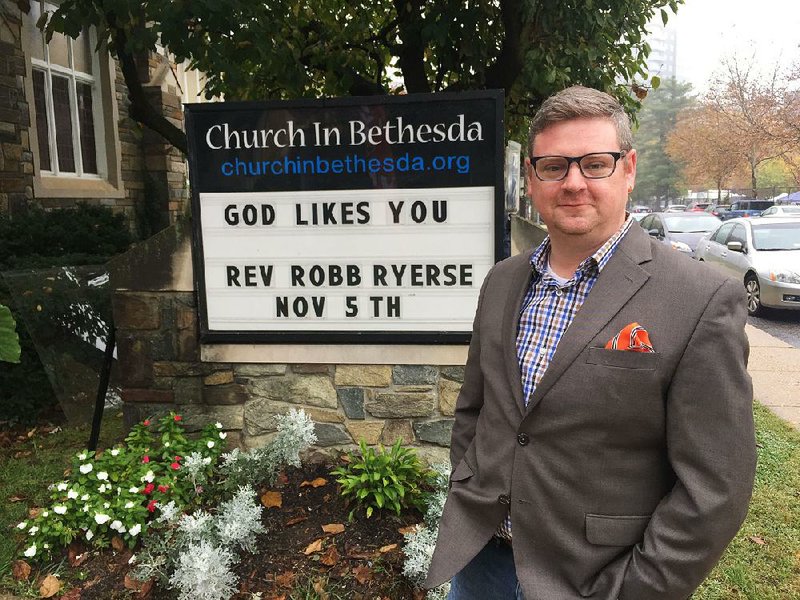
point(597, 165)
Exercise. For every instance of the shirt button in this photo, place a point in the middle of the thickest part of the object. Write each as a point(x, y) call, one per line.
point(558, 292)
point(504, 499)
point(523, 439)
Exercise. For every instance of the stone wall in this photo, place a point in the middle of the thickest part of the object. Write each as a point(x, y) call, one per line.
point(16, 160)
point(158, 358)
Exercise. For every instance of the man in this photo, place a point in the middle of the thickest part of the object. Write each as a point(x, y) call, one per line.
point(603, 444)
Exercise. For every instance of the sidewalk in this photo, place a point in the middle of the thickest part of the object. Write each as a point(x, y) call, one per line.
point(775, 368)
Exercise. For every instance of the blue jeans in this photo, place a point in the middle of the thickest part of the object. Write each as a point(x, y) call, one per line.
point(491, 575)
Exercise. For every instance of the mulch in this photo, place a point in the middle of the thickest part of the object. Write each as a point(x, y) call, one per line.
point(358, 559)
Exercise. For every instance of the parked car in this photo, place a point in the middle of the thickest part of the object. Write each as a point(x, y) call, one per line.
point(718, 210)
point(747, 208)
point(675, 208)
point(784, 210)
point(640, 208)
point(764, 254)
point(681, 231)
point(698, 206)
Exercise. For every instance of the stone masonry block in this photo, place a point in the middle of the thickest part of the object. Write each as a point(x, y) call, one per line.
point(224, 394)
point(388, 405)
point(314, 390)
point(414, 375)
point(364, 375)
point(259, 415)
point(448, 394)
point(260, 370)
point(311, 369)
point(135, 354)
point(329, 434)
point(453, 373)
point(369, 431)
point(219, 378)
point(437, 432)
point(352, 401)
point(397, 429)
point(148, 396)
point(133, 311)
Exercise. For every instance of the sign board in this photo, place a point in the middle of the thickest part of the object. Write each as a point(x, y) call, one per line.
point(358, 220)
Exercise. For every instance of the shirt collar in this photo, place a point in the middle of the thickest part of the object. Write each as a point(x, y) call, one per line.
point(599, 259)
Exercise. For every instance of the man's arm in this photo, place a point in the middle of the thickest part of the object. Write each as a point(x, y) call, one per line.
point(711, 448)
point(470, 398)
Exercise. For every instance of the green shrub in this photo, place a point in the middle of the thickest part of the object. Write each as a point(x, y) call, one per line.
point(9, 340)
point(393, 479)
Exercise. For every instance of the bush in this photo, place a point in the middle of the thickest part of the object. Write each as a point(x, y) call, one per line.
point(393, 479)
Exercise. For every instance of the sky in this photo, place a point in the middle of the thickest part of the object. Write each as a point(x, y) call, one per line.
point(709, 30)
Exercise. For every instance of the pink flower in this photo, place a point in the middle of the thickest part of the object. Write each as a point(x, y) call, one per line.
point(177, 417)
point(148, 489)
point(146, 422)
point(145, 459)
point(163, 488)
point(175, 466)
point(151, 506)
point(177, 458)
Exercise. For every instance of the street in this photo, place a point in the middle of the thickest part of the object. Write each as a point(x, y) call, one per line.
point(783, 324)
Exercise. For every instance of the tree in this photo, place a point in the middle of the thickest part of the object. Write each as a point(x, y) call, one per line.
point(290, 49)
point(657, 175)
point(706, 151)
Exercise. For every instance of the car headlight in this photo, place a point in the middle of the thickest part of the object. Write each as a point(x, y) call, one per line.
point(784, 276)
point(680, 246)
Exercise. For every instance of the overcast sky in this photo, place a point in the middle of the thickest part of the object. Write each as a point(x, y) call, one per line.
point(709, 30)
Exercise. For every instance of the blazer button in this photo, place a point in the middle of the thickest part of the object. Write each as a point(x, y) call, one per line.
point(523, 439)
point(503, 499)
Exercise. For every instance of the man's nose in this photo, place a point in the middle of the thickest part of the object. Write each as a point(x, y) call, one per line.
point(574, 179)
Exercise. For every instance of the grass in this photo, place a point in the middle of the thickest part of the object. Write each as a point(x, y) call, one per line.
point(770, 570)
point(27, 468)
point(749, 570)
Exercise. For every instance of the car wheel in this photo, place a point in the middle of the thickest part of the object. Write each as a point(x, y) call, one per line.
point(753, 290)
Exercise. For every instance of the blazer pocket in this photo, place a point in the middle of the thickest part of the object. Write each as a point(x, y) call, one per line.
point(623, 359)
point(615, 530)
point(462, 471)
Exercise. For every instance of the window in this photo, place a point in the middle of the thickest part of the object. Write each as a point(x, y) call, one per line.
point(66, 101)
point(722, 233)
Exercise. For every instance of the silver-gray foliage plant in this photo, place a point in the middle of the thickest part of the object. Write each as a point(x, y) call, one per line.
point(203, 572)
point(419, 544)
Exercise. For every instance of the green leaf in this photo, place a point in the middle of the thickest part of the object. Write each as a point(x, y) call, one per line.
point(9, 340)
point(655, 82)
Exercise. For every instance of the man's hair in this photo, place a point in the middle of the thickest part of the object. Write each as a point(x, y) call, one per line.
point(578, 102)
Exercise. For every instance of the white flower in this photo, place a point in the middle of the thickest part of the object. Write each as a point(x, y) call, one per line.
point(102, 488)
point(134, 531)
point(106, 505)
point(60, 509)
point(129, 504)
point(132, 559)
point(134, 490)
point(33, 530)
point(85, 497)
point(87, 468)
point(115, 451)
point(166, 444)
point(72, 494)
point(100, 518)
point(148, 477)
point(22, 525)
point(210, 444)
point(102, 475)
point(119, 491)
point(45, 545)
point(85, 508)
point(218, 425)
point(223, 435)
point(89, 535)
point(207, 460)
point(45, 514)
point(30, 552)
point(82, 456)
point(62, 486)
point(116, 525)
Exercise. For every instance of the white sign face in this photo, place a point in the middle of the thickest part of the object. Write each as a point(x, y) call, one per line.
point(346, 221)
point(389, 261)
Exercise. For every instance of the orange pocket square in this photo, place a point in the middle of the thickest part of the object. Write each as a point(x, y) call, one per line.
point(633, 338)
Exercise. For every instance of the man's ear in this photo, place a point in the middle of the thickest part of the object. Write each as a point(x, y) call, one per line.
point(630, 167)
point(528, 174)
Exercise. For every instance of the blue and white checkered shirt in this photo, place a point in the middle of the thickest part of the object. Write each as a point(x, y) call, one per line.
point(548, 310)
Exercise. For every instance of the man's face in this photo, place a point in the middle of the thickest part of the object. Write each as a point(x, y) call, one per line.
point(591, 210)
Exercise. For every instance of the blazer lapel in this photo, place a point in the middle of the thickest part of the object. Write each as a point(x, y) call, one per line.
point(522, 280)
point(620, 280)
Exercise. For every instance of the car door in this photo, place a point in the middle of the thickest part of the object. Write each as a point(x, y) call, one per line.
point(714, 247)
point(737, 263)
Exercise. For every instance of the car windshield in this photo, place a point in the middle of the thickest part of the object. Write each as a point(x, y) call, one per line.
point(691, 224)
point(790, 210)
point(780, 236)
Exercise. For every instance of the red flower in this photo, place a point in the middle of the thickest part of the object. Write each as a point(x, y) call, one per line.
point(146, 422)
point(163, 488)
point(177, 458)
point(148, 489)
point(177, 417)
point(151, 506)
point(175, 466)
point(145, 459)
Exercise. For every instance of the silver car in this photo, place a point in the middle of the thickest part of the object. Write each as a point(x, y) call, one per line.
point(764, 253)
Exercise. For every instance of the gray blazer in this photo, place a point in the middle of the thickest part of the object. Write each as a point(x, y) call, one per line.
point(628, 473)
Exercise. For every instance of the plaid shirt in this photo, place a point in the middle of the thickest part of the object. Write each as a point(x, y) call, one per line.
point(548, 310)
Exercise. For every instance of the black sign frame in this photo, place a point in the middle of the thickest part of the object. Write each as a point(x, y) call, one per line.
point(207, 336)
